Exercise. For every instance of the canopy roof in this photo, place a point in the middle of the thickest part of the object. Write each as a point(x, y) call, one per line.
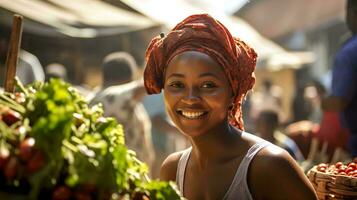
point(286, 16)
point(79, 18)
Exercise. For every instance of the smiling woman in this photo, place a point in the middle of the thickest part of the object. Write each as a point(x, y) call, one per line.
point(205, 74)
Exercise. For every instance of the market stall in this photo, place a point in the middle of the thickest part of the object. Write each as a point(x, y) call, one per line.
point(54, 146)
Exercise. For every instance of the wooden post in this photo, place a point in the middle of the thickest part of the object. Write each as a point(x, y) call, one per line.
point(12, 53)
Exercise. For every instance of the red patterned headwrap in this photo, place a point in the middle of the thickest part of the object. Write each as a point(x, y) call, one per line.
point(204, 34)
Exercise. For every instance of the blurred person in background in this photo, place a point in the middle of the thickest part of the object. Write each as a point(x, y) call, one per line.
point(267, 128)
point(56, 70)
point(267, 97)
point(330, 129)
point(121, 95)
point(323, 126)
point(301, 107)
point(313, 93)
point(343, 97)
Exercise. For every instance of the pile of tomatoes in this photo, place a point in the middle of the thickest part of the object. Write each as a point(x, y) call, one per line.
point(339, 168)
point(19, 157)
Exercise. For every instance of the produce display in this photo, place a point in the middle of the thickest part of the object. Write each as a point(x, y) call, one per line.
point(334, 181)
point(339, 168)
point(54, 146)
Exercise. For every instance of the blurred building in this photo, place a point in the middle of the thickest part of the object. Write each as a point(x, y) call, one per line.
point(301, 25)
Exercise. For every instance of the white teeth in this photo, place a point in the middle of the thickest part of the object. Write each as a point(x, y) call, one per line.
point(192, 115)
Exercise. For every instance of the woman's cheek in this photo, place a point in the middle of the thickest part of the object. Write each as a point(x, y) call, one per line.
point(170, 101)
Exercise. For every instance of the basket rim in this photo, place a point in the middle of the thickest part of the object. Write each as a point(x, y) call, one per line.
point(331, 184)
point(327, 175)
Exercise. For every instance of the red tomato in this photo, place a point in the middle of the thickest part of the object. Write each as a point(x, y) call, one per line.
point(341, 170)
point(27, 149)
point(352, 164)
point(10, 117)
point(349, 169)
point(35, 163)
point(338, 164)
point(10, 170)
point(62, 193)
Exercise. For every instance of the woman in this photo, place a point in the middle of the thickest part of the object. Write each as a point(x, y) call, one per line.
point(205, 74)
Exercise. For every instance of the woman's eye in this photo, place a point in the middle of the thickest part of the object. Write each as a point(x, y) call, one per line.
point(209, 85)
point(176, 85)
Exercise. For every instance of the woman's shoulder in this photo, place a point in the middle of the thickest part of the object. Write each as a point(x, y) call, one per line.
point(272, 154)
point(275, 166)
point(169, 166)
point(268, 154)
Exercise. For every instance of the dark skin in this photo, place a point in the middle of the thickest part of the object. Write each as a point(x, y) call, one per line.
point(194, 85)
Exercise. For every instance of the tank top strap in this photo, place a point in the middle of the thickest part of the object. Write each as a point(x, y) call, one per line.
point(239, 188)
point(181, 168)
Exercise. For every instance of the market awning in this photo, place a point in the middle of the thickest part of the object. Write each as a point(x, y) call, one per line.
point(173, 11)
point(79, 18)
point(275, 18)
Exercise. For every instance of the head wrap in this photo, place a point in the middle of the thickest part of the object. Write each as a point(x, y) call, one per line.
point(204, 34)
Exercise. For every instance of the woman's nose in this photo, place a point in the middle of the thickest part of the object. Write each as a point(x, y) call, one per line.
point(191, 96)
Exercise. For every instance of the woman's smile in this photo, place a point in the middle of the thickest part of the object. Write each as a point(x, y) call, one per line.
point(189, 114)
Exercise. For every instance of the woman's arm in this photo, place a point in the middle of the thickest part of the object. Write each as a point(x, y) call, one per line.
point(274, 174)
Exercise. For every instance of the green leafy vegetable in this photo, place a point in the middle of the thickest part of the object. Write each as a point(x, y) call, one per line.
point(81, 148)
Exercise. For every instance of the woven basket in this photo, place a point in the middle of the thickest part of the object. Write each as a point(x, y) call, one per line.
point(330, 186)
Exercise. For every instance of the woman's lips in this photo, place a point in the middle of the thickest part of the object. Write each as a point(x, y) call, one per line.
point(191, 114)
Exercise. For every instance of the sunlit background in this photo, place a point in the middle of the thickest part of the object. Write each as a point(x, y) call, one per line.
point(296, 40)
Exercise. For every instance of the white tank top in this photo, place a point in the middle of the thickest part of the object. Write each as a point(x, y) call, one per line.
point(239, 187)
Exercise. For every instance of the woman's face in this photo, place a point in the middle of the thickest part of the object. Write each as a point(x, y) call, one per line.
point(197, 93)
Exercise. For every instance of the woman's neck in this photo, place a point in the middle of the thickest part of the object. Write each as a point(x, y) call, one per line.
point(212, 147)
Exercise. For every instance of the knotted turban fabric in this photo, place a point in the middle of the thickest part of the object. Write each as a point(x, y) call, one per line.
point(204, 34)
